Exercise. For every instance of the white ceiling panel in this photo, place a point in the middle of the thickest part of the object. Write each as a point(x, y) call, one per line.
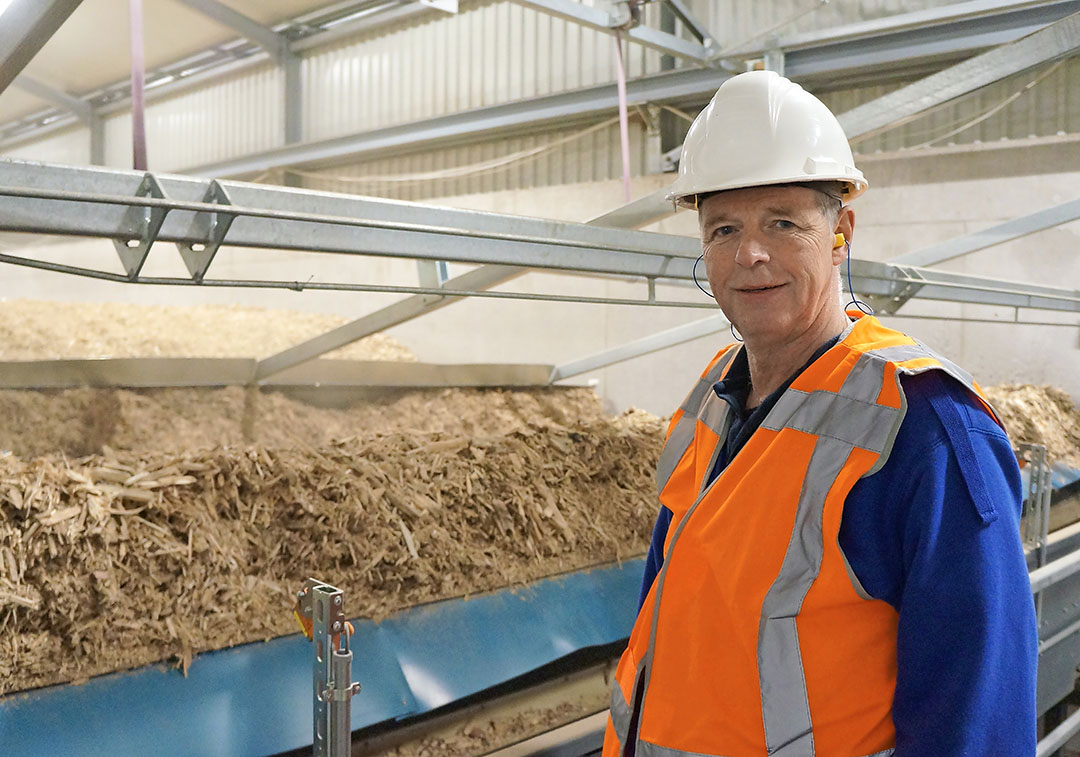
point(14, 102)
point(93, 48)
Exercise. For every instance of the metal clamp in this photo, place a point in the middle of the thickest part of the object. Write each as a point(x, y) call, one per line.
point(340, 695)
point(212, 225)
point(141, 225)
point(625, 14)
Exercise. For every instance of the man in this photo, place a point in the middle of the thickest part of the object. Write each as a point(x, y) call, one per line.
point(837, 568)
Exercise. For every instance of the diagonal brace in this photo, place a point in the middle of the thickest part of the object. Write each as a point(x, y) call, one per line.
point(1015, 228)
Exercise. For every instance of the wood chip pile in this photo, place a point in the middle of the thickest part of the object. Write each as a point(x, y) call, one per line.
point(1040, 415)
point(120, 559)
point(39, 330)
point(79, 422)
point(138, 526)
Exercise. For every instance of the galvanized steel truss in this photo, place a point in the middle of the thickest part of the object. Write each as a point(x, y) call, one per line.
point(138, 210)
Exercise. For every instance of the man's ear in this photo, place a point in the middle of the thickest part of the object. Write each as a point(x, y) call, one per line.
point(845, 224)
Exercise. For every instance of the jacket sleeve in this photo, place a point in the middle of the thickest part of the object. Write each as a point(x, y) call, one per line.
point(654, 560)
point(949, 558)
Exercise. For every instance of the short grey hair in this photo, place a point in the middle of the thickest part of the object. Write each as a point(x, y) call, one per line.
point(830, 197)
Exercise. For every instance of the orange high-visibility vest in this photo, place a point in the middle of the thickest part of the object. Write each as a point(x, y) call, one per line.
point(756, 637)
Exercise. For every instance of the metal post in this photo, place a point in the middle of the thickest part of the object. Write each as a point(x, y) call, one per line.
point(340, 727)
point(320, 608)
point(1037, 514)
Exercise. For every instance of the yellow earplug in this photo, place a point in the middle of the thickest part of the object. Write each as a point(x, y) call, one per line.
point(839, 241)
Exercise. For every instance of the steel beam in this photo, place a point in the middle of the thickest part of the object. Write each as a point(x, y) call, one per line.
point(601, 20)
point(79, 107)
point(293, 99)
point(26, 27)
point(909, 44)
point(1057, 40)
point(484, 277)
point(678, 86)
point(995, 235)
point(690, 21)
point(266, 38)
point(179, 372)
point(579, 104)
point(97, 140)
point(1059, 737)
point(406, 11)
point(652, 343)
point(95, 202)
point(845, 53)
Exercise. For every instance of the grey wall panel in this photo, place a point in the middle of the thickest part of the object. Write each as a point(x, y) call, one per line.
point(433, 173)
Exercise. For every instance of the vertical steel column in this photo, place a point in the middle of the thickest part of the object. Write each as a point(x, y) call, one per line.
point(293, 99)
point(97, 140)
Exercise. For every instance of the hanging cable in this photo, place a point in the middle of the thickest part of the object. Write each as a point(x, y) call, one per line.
point(993, 109)
point(851, 289)
point(474, 169)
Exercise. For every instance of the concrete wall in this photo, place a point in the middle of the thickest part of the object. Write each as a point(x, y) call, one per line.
point(913, 202)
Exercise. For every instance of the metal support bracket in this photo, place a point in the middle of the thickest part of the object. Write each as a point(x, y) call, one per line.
point(625, 14)
point(213, 226)
point(143, 223)
point(902, 290)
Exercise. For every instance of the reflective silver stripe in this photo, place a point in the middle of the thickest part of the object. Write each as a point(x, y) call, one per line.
point(864, 380)
point(903, 352)
point(716, 415)
point(827, 414)
point(645, 749)
point(785, 704)
point(697, 395)
point(682, 436)
point(620, 712)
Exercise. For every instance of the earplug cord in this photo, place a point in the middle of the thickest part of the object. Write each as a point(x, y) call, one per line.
point(734, 333)
point(851, 290)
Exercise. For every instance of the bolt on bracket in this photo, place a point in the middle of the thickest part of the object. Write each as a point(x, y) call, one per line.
point(213, 226)
point(908, 281)
point(141, 225)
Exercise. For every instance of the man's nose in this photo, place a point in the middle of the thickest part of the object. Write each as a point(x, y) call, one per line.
point(751, 250)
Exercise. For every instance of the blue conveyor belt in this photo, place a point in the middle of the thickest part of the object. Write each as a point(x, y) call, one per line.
point(255, 699)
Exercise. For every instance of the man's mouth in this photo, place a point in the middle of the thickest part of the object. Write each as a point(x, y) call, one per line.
point(760, 289)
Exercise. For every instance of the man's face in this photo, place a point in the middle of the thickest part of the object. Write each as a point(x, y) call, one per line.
point(770, 260)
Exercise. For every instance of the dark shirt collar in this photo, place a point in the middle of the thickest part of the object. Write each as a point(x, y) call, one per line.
point(734, 388)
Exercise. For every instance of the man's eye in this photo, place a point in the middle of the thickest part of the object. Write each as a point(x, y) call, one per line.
point(724, 231)
point(784, 224)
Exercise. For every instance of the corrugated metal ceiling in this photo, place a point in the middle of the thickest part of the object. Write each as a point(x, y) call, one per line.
point(92, 48)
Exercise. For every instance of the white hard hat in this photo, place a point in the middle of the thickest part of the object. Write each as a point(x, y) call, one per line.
point(761, 128)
